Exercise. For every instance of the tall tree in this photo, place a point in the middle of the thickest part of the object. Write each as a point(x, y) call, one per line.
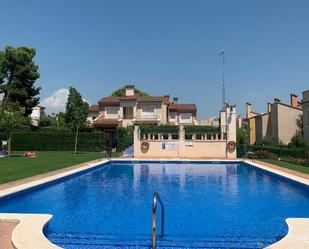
point(18, 73)
point(300, 125)
point(76, 110)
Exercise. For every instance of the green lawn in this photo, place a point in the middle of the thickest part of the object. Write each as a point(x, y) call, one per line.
point(18, 167)
point(292, 166)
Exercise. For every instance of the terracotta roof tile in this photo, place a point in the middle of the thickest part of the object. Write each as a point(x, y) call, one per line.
point(109, 99)
point(151, 99)
point(105, 122)
point(133, 97)
point(94, 108)
point(182, 107)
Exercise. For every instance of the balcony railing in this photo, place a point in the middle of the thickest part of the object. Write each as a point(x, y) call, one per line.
point(111, 116)
point(147, 117)
point(186, 121)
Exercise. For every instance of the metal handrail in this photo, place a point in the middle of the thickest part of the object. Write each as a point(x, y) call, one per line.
point(108, 153)
point(247, 156)
point(156, 199)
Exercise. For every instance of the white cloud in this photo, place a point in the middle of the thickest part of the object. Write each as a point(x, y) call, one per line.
point(56, 102)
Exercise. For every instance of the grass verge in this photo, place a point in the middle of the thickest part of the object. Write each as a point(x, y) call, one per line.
point(18, 167)
point(287, 165)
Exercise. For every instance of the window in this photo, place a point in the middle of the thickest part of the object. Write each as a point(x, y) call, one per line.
point(185, 117)
point(127, 112)
point(173, 115)
point(111, 112)
point(148, 112)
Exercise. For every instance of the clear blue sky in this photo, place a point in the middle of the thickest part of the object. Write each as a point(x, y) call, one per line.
point(166, 47)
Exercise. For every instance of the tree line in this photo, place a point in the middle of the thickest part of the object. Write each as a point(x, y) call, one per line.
point(19, 93)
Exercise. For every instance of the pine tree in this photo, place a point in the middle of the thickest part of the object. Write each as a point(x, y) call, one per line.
point(76, 110)
point(18, 74)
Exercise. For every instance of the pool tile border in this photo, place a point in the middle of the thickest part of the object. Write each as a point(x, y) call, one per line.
point(28, 233)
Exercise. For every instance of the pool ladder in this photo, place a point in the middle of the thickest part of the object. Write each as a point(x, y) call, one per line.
point(248, 155)
point(155, 201)
point(108, 153)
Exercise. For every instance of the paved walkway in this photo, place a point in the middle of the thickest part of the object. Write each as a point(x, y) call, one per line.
point(292, 172)
point(6, 229)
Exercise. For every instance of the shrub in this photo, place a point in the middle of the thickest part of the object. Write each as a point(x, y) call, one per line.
point(298, 161)
point(55, 129)
point(45, 141)
point(282, 151)
point(201, 129)
point(155, 129)
point(297, 141)
point(265, 154)
point(124, 137)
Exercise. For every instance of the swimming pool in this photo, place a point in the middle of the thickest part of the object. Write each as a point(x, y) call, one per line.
point(207, 204)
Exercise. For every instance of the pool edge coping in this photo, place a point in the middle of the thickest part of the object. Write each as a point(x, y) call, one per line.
point(20, 235)
point(28, 233)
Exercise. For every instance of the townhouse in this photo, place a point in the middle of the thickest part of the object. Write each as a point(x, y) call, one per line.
point(278, 123)
point(135, 109)
point(305, 105)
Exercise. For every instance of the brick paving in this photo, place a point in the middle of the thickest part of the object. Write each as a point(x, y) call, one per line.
point(6, 229)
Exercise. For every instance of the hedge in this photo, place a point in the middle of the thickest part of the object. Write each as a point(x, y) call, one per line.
point(279, 151)
point(155, 129)
point(44, 141)
point(201, 129)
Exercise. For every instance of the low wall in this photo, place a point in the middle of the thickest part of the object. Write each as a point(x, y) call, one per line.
point(196, 149)
point(213, 147)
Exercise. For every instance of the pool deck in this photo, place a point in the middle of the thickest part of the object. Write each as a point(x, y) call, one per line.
point(15, 229)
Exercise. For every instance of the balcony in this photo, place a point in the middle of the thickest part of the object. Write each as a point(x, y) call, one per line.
point(147, 119)
point(112, 116)
point(186, 121)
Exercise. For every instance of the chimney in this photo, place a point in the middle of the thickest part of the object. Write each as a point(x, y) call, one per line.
point(268, 107)
point(166, 99)
point(175, 100)
point(293, 100)
point(277, 100)
point(248, 110)
point(129, 90)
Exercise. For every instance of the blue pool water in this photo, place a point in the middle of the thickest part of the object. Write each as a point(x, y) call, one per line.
point(207, 205)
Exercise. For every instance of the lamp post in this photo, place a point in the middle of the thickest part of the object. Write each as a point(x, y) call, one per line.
point(223, 83)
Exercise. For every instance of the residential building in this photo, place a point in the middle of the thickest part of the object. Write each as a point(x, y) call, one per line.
point(181, 114)
point(135, 109)
point(210, 121)
point(305, 105)
point(38, 112)
point(278, 123)
point(93, 113)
